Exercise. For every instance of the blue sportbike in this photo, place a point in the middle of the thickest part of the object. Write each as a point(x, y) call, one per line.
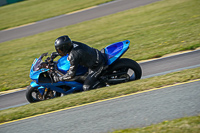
point(118, 70)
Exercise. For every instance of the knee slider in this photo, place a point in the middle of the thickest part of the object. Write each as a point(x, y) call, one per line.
point(86, 87)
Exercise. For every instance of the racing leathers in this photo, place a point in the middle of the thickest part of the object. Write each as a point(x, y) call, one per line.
point(82, 54)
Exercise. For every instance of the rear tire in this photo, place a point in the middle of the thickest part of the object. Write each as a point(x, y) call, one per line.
point(124, 65)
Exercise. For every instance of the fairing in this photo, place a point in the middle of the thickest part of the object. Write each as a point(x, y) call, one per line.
point(35, 71)
point(116, 50)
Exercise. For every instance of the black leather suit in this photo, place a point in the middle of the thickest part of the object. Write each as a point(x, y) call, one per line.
point(81, 54)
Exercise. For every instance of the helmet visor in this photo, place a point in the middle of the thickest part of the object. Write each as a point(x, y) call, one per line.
point(60, 52)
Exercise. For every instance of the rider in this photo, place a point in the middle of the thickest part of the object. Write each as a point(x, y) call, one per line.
point(80, 54)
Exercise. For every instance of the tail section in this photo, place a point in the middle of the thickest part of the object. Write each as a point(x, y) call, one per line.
point(115, 51)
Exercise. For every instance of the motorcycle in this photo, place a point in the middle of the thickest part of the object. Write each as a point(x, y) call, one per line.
point(117, 70)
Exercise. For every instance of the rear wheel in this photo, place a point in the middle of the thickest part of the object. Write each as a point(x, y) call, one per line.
point(124, 70)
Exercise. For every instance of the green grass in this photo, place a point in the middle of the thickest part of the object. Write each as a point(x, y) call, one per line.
point(154, 30)
point(98, 94)
point(182, 125)
point(34, 10)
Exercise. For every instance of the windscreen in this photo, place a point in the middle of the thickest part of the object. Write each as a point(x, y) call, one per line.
point(38, 64)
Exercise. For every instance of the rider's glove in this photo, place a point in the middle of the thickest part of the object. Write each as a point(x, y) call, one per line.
point(54, 55)
point(56, 78)
point(61, 78)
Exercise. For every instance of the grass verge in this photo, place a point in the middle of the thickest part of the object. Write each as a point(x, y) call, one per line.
point(98, 94)
point(34, 10)
point(183, 125)
point(154, 30)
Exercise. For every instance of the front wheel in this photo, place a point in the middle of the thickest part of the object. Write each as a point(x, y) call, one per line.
point(124, 70)
point(33, 94)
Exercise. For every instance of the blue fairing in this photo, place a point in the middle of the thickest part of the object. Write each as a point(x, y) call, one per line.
point(116, 50)
point(34, 75)
point(64, 65)
point(33, 84)
point(73, 84)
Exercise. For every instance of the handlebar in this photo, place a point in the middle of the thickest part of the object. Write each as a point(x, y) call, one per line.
point(49, 60)
point(54, 55)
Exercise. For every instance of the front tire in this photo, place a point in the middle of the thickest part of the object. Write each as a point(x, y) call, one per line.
point(32, 94)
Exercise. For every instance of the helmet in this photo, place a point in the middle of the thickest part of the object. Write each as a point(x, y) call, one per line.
point(63, 45)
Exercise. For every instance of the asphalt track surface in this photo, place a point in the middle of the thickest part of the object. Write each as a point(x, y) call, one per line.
point(69, 19)
point(135, 110)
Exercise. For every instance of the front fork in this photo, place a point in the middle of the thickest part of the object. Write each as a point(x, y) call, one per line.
point(44, 93)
